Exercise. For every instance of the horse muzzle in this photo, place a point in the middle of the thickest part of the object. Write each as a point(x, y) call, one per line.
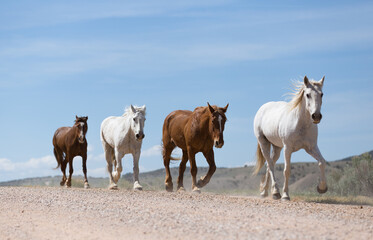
point(218, 144)
point(316, 117)
point(140, 136)
point(81, 140)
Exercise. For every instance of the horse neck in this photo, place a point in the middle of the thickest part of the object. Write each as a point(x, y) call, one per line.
point(74, 131)
point(206, 123)
point(126, 124)
point(301, 114)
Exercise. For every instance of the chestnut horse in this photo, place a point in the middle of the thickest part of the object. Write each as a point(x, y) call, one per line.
point(193, 132)
point(68, 143)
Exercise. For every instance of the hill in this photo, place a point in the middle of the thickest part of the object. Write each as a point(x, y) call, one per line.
point(304, 178)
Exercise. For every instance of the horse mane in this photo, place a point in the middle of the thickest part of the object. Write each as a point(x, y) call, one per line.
point(128, 110)
point(298, 92)
point(203, 109)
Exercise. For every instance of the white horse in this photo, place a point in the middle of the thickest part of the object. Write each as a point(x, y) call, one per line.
point(292, 126)
point(120, 136)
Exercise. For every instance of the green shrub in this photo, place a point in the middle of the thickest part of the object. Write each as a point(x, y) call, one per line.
point(354, 179)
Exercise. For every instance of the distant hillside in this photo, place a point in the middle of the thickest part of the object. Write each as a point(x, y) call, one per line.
point(304, 178)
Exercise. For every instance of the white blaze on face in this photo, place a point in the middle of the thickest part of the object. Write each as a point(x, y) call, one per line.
point(81, 129)
point(219, 119)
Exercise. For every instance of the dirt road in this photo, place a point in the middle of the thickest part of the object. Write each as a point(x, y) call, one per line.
point(56, 213)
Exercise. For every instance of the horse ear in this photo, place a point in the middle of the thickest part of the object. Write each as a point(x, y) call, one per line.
point(76, 117)
point(210, 108)
point(133, 109)
point(225, 108)
point(322, 80)
point(143, 108)
point(86, 118)
point(306, 81)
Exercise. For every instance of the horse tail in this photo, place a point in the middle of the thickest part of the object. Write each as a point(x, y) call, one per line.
point(55, 151)
point(57, 158)
point(175, 159)
point(171, 157)
point(259, 160)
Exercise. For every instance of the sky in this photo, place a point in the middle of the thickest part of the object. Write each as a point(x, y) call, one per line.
point(59, 59)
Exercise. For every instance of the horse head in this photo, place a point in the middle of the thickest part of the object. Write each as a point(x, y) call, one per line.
point(313, 98)
point(82, 126)
point(218, 120)
point(138, 121)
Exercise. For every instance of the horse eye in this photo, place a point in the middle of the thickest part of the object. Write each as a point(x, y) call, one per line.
point(134, 119)
point(308, 95)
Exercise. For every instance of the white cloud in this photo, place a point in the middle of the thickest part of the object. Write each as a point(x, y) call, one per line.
point(156, 150)
point(90, 148)
point(44, 162)
point(6, 164)
point(26, 15)
point(96, 158)
point(34, 167)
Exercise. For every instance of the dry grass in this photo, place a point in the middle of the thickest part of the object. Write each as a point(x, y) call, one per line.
point(332, 199)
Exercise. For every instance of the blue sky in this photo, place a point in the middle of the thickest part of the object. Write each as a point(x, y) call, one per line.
point(61, 59)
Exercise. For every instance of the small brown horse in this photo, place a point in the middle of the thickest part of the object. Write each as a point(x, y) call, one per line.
point(193, 132)
point(68, 143)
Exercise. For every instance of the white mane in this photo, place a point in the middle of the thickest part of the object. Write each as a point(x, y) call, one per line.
point(128, 111)
point(298, 91)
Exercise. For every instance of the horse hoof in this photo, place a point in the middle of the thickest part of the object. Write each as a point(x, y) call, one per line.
point(200, 183)
point(276, 196)
point(113, 187)
point(181, 189)
point(263, 195)
point(62, 183)
point(86, 186)
point(169, 187)
point(285, 199)
point(196, 190)
point(322, 191)
point(137, 186)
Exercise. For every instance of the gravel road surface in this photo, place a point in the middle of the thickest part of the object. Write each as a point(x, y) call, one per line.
point(60, 213)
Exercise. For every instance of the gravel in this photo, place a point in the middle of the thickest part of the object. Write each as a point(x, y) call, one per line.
point(56, 213)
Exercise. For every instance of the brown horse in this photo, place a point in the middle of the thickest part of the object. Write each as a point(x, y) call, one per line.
point(68, 143)
point(193, 132)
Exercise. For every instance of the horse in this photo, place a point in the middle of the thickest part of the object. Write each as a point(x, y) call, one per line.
point(293, 126)
point(193, 132)
point(122, 135)
point(68, 143)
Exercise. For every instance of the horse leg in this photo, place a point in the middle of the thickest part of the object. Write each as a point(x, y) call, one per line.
point(180, 179)
point(61, 161)
point(193, 170)
point(136, 184)
point(109, 164)
point(84, 158)
point(265, 147)
point(71, 170)
point(287, 168)
point(212, 168)
point(63, 170)
point(118, 169)
point(264, 184)
point(166, 161)
point(315, 153)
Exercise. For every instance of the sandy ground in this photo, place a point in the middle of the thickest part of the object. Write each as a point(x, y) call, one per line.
point(56, 213)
